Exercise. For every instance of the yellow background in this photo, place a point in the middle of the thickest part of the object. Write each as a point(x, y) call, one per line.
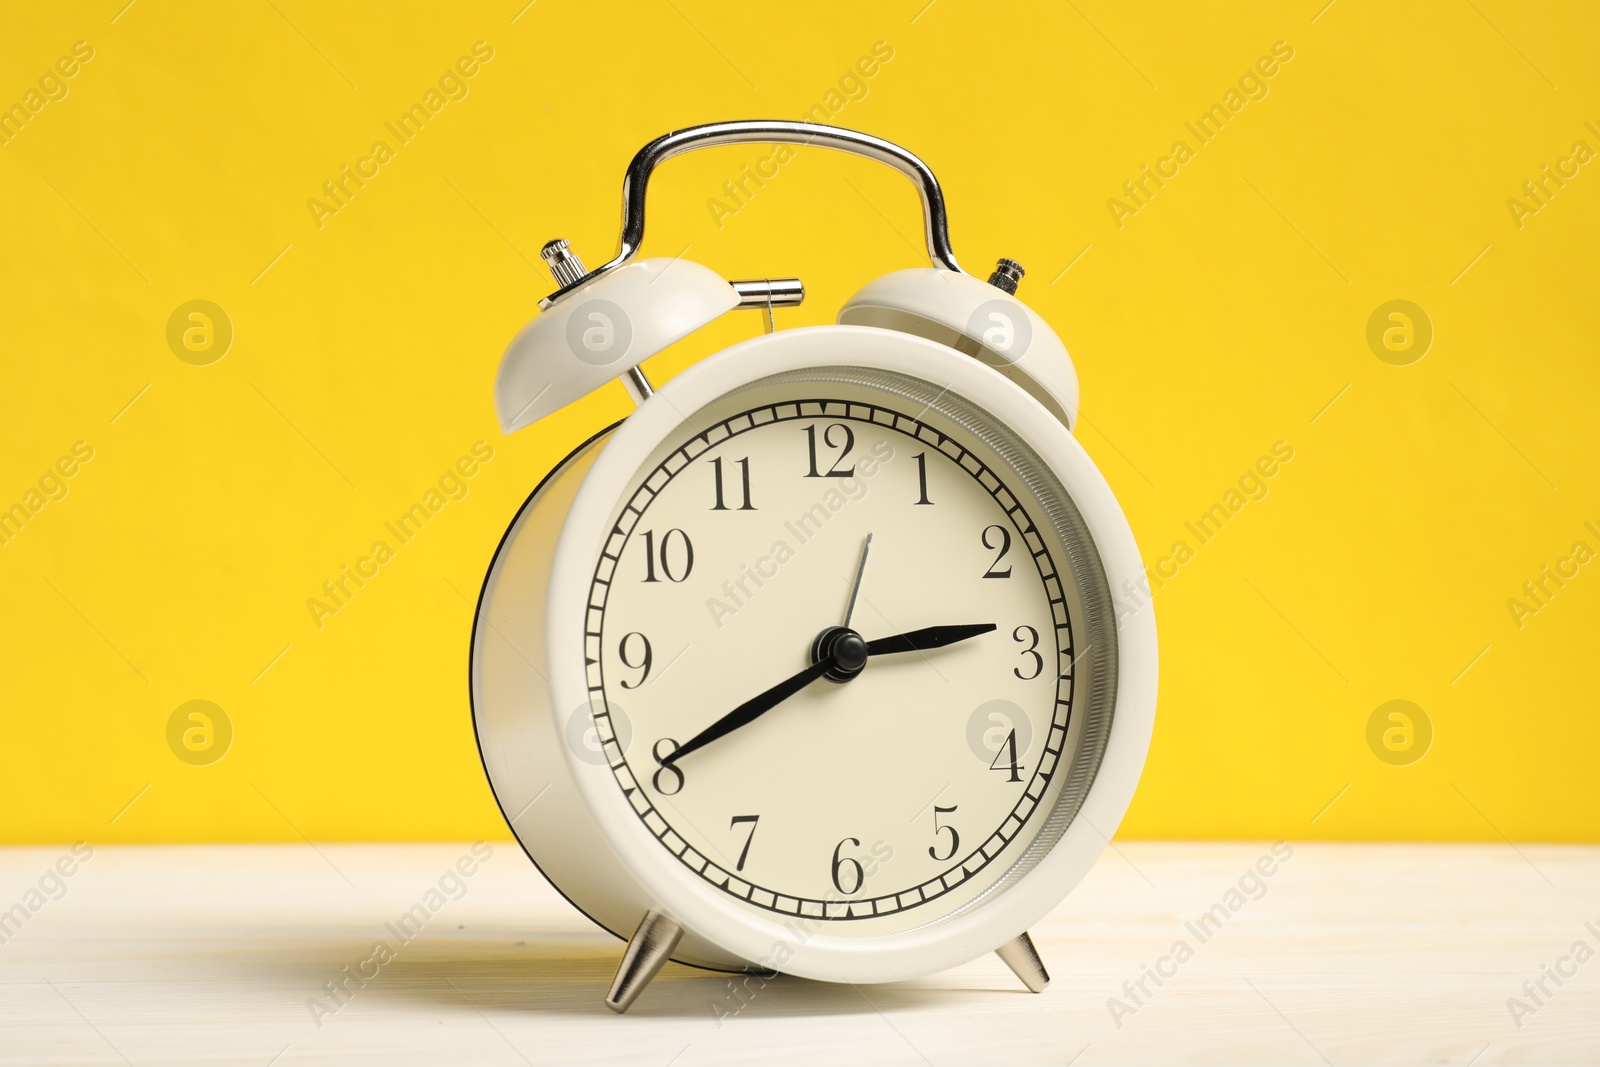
point(1224, 316)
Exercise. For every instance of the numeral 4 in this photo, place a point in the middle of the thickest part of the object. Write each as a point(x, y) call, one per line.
point(1008, 753)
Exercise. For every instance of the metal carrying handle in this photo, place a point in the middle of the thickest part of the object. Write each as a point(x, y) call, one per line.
point(766, 131)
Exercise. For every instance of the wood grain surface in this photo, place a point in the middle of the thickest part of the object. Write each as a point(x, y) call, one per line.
point(1343, 954)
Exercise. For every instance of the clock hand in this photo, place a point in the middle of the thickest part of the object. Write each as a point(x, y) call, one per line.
point(847, 651)
point(825, 660)
point(926, 638)
point(752, 709)
point(861, 569)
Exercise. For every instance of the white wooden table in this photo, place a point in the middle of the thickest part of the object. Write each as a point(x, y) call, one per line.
point(1352, 954)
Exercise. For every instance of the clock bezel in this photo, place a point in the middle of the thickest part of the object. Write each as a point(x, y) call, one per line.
point(678, 892)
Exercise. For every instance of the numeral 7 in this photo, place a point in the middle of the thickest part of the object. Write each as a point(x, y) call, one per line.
point(735, 821)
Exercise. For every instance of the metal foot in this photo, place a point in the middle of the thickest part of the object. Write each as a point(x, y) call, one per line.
point(1024, 961)
point(652, 943)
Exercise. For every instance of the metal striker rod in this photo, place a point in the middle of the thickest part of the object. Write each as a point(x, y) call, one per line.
point(637, 385)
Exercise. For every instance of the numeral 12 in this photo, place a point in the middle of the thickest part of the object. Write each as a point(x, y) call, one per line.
point(845, 444)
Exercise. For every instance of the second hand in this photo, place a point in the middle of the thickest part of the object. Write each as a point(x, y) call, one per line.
point(861, 568)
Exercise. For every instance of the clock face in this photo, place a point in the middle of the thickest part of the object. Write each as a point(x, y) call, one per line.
point(828, 512)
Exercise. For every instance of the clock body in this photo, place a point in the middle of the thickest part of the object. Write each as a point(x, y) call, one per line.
point(899, 822)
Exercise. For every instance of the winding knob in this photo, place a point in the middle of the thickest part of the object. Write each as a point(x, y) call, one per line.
point(1007, 273)
point(564, 263)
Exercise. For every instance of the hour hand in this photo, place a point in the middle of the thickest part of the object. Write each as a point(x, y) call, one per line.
point(751, 710)
point(846, 650)
point(926, 638)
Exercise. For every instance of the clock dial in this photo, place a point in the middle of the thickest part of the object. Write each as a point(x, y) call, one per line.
point(863, 614)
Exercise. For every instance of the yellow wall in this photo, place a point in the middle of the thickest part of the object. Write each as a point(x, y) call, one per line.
point(1224, 315)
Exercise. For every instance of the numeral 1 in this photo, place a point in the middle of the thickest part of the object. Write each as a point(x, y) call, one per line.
point(922, 478)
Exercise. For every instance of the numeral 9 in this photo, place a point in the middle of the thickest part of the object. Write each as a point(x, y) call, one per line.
point(644, 658)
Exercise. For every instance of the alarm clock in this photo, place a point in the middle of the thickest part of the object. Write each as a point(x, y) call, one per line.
point(814, 663)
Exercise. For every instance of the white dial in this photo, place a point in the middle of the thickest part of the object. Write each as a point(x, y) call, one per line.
point(892, 782)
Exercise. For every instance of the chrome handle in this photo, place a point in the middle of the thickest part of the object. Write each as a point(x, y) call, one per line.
point(769, 131)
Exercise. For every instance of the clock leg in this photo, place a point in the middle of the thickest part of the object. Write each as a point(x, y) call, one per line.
point(649, 948)
point(1023, 959)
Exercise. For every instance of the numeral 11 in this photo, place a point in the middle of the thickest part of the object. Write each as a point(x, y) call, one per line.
point(744, 478)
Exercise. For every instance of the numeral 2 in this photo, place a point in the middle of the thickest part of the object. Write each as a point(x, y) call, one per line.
point(1000, 551)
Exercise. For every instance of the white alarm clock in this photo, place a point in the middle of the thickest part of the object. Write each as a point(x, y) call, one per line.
point(812, 664)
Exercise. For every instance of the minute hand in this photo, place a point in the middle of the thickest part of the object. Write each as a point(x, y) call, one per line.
point(926, 638)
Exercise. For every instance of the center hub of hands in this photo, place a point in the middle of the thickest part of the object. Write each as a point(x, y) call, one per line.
point(845, 647)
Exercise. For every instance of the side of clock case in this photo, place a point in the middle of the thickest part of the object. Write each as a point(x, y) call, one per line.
point(521, 738)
